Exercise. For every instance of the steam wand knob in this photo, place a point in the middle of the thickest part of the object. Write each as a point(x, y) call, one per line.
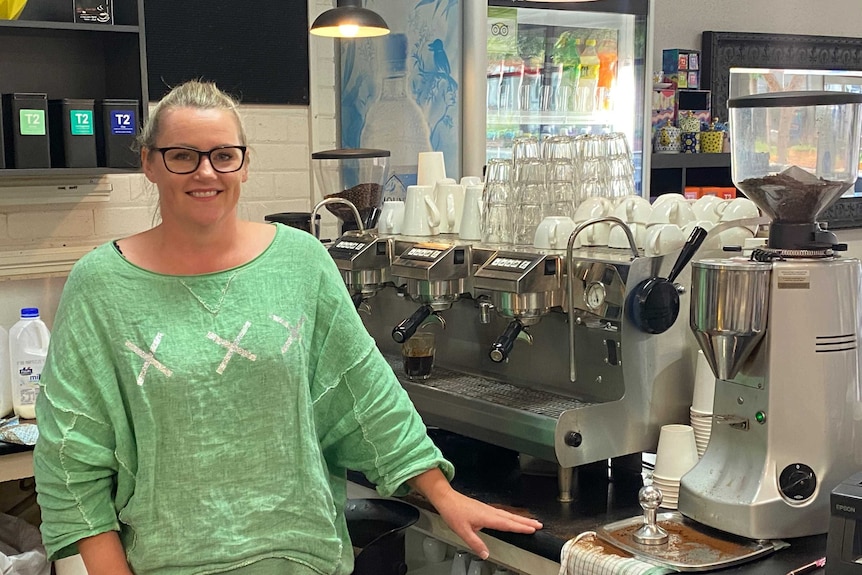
point(650, 533)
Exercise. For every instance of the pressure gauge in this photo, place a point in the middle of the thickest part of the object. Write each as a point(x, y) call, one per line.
point(594, 295)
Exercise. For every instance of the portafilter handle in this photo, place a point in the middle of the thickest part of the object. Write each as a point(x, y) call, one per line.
point(405, 330)
point(501, 348)
point(347, 203)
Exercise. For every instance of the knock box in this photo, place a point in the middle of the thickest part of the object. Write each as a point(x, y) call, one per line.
point(116, 130)
point(25, 124)
point(73, 134)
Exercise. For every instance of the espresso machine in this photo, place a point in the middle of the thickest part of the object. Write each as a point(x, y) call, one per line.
point(781, 328)
point(525, 399)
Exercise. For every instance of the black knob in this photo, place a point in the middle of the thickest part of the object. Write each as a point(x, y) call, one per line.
point(573, 439)
point(797, 481)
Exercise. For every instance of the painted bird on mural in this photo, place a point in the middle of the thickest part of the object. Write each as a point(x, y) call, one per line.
point(441, 63)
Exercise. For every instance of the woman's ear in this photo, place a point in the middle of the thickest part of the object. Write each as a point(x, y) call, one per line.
point(245, 166)
point(145, 164)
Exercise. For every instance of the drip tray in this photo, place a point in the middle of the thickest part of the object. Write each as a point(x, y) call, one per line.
point(690, 547)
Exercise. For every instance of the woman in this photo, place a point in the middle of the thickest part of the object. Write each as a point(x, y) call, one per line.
point(209, 382)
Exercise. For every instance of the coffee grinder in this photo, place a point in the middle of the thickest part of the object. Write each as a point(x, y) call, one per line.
point(781, 328)
point(356, 175)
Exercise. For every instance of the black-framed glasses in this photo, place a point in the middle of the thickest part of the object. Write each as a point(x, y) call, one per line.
point(224, 159)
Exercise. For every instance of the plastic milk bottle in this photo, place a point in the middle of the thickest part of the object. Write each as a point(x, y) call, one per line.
point(28, 347)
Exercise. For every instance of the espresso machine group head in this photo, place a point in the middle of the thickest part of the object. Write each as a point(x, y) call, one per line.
point(781, 329)
point(435, 276)
point(362, 257)
point(523, 287)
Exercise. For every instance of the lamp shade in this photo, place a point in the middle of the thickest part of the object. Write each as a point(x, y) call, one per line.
point(349, 20)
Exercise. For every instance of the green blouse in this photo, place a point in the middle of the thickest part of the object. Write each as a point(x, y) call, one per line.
point(210, 419)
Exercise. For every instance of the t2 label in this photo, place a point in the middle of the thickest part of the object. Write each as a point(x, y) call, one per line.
point(123, 122)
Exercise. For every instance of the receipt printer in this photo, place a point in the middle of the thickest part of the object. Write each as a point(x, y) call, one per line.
point(844, 540)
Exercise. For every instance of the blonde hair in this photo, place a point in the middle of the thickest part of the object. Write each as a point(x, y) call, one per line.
point(192, 94)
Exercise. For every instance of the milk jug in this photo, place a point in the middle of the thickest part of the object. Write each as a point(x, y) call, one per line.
point(28, 347)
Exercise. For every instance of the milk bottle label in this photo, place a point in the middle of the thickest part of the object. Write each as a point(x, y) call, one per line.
point(29, 373)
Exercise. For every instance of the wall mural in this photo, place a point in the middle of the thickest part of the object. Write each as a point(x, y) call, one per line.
point(402, 92)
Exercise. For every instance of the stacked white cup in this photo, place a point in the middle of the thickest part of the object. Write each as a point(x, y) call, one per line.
point(670, 213)
point(701, 403)
point(675, 455)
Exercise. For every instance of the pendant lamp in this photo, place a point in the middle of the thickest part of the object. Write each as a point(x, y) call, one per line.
point(349, 20)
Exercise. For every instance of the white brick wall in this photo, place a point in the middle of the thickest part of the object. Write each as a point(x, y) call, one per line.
point(280, 180)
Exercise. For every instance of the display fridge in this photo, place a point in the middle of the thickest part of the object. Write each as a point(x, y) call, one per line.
point(466, 77)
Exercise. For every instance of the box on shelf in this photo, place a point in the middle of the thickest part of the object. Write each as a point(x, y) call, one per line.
point(663, 107)
point(116, 130)
point(73, 133)
point(94, 11)
point(669, 103)
point(695, 101)
point(723, 192)
point(682, 67)
point(25, 125)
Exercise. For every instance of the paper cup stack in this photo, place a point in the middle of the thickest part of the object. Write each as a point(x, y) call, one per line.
point(675, 455)
point(701, 404)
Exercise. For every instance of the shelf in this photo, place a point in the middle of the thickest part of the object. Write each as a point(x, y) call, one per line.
point(44, 173)
point(71, 26)
point(592, 118)
point(673, 172)
point(665, 161)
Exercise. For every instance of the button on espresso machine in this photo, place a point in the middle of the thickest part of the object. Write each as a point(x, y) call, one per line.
point(523, 287)
point(436, 274)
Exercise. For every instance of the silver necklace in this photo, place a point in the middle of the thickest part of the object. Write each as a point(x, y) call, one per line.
point(217, 307)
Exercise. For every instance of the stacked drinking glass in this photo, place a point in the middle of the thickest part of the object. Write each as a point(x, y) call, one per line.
point(497, 203)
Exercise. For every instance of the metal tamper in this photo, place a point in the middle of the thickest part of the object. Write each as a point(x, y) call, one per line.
point(649, 533)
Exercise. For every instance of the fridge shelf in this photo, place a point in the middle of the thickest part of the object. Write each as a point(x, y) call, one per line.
point(552, 118)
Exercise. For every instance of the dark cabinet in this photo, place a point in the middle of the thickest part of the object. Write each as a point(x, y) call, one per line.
point(78, 61)
point(673, 172)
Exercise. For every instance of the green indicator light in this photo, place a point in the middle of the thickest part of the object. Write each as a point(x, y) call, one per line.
point(760, 417)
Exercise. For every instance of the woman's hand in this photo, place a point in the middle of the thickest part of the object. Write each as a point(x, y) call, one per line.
point(466, 516)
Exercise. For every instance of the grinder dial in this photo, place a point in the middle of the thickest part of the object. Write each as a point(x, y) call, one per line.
point(797, 482)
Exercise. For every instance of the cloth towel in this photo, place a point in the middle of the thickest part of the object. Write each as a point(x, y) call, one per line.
point(585, 554)
point(13, 431)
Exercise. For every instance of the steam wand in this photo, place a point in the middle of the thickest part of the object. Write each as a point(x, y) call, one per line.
point(347, 203)
point(570, 290)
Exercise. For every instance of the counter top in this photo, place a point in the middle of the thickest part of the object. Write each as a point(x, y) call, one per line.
point(492, 474)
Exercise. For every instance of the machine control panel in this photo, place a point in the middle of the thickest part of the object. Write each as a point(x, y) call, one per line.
point(353, 252)
point(433, 261)
point(516, 272)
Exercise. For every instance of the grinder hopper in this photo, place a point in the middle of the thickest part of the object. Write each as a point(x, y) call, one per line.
point(354, 174)
point(793, 154)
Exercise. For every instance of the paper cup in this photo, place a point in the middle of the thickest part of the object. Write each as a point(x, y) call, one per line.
point(431, 168)
point(704, 385)
point(676, 453)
